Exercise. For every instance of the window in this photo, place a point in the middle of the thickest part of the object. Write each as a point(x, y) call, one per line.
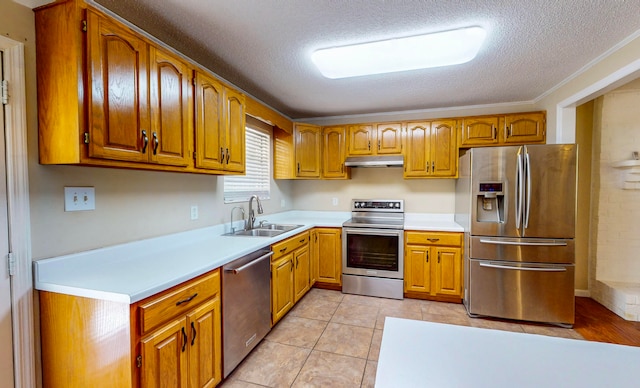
point(239, 188)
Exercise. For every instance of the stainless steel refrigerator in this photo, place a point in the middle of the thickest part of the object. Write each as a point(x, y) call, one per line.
point(517, 205)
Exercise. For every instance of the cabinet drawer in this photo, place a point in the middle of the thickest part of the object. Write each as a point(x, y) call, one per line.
point(434, 238)
point(289, 245)
point(165, 307)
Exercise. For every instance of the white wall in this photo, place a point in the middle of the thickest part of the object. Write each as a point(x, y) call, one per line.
point(420, 195)
point(618, 210)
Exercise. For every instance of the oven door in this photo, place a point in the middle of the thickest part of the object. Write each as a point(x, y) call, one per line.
point(373, 252)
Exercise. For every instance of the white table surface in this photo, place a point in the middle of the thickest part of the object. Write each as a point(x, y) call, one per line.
point(425, 354)
point(131, 272)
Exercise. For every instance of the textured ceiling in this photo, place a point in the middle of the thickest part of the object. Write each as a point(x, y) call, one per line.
point(264, 47)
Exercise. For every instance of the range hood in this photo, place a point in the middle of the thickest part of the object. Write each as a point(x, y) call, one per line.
point(375, 161)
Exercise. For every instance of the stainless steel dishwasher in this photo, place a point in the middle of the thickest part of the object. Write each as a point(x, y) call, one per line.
point(246, 306)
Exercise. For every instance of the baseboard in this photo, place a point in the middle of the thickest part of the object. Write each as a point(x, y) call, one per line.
point(583, 293)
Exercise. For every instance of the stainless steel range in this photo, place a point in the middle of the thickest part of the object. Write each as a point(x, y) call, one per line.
point(373, 248)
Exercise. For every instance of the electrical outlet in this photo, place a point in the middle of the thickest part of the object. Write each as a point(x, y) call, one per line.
point(282, 203)
point(79, 198)
point(194, 212)
point(334, 201)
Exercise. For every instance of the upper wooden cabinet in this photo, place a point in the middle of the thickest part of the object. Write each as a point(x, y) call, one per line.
point(333, 153)
point(308, 145)
point(525, 128)
point(520, 128)
point(374, 139)
point(109, 96)
point(220, 126)
point(431, 150)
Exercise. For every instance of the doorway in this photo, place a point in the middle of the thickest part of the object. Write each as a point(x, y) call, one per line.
point(6, 325)
point(17, 334)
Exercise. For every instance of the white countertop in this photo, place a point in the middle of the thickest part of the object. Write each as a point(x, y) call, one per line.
point(425, 354)
point(131, 272)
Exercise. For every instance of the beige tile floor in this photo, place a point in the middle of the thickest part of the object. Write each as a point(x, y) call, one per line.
point(330, 339)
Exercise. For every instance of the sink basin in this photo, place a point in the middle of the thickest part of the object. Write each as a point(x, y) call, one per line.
point(282, 227)
point(266, 230)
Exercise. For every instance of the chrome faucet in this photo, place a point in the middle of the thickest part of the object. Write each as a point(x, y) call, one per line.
point(252, 215)
point(245, 222)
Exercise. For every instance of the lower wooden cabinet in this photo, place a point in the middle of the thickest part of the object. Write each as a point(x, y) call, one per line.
point(183, 353)
point(281, 287)
point(326, 257)
point(433, 265)
point(169, 339)
point(290, 274)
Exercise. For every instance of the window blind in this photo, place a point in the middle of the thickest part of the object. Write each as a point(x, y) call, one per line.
point(239, 188)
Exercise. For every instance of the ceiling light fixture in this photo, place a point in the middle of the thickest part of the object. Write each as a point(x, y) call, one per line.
point(388, 56)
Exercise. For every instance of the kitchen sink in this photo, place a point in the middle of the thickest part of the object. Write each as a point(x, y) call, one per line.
point(266, 230)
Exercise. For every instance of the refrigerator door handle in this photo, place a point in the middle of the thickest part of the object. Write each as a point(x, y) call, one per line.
point(519, 191)
point(549, 243)
point(528, 184)
point(537, 269)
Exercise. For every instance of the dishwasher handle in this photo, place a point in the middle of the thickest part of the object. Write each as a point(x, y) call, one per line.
point(249, 264)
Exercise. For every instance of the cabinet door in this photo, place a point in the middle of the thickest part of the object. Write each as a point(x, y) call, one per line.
point(360, 139)
point(209, 96)
point(205, 348)
point(417, 161)
point(524, 128)
point(171, 118)
point(328, 245)
point(234, 131)
point(164, 356)
point(479, 131)
point(444, 151)
point(301, 274)
point(417, 269)
point(118, 91)
point(308, 143)
point(333, 153)
point(448, 272)
point(281, 287)
point(389, 138)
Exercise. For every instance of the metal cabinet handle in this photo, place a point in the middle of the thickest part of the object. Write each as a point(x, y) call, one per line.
point(184, 339)
point(283, 249)
point(298, 168)
point(296, 263)
point(495, 132)
point(189, 299)
point(301, 241)
point(438, 257)
point(433, 166)
point(433, 239)
point(378, 145)
point(193, 330)
point(369, 146)
point(228, 155)
point(427, 256)
point(156, 142)
point(145, 141)
point(221, 155)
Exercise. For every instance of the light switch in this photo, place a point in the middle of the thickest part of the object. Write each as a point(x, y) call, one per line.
point(79, 198)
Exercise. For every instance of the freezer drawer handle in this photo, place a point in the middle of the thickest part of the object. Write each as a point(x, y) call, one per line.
point(249, 264)
point(537, 244)
point(538, 269)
